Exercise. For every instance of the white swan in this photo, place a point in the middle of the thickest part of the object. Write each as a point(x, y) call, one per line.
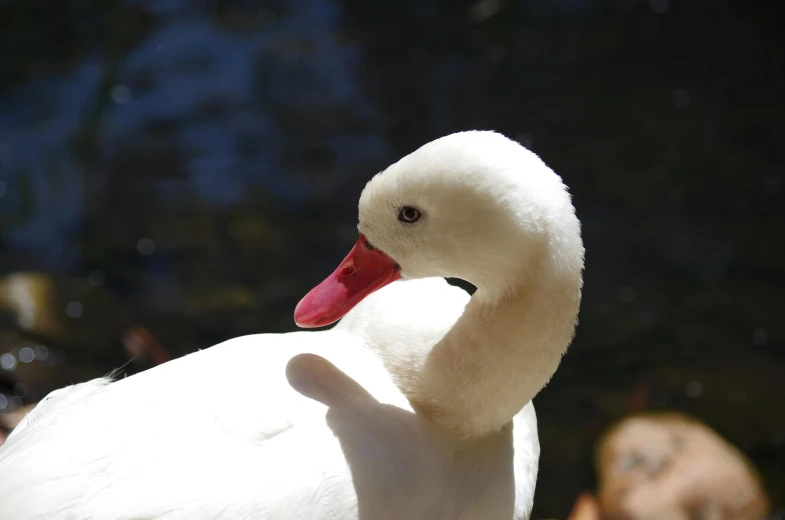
point(409, 415)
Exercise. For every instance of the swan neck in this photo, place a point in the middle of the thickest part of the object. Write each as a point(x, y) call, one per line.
point(498, 355)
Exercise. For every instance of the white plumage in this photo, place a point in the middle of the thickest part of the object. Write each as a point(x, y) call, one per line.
point(417, 405)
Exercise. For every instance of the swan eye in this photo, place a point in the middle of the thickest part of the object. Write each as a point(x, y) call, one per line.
point(409, 214)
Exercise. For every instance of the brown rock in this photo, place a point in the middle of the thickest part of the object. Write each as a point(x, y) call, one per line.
point(667, 465)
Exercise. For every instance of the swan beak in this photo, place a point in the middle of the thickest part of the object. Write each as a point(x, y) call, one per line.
point(363, 271)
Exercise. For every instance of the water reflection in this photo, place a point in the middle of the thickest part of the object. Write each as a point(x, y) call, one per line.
point(8, 361)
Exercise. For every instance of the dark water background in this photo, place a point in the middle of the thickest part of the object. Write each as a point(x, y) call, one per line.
point(194, 167)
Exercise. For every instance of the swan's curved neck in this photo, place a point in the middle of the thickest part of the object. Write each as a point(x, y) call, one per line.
point(497, 356)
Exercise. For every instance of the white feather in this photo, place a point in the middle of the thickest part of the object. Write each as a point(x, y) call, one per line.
point(416, 406)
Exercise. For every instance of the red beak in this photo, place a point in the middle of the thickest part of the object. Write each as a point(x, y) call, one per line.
point(363, 271)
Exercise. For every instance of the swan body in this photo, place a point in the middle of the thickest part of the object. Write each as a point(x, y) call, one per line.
point(416, 405)
point(167, 445)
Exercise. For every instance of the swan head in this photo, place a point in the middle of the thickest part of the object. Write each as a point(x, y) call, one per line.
point(472, 205)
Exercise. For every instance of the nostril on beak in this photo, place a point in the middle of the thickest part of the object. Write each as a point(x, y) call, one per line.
point(347, 271)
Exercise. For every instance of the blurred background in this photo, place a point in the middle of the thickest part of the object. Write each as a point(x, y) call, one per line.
point(175, 173)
